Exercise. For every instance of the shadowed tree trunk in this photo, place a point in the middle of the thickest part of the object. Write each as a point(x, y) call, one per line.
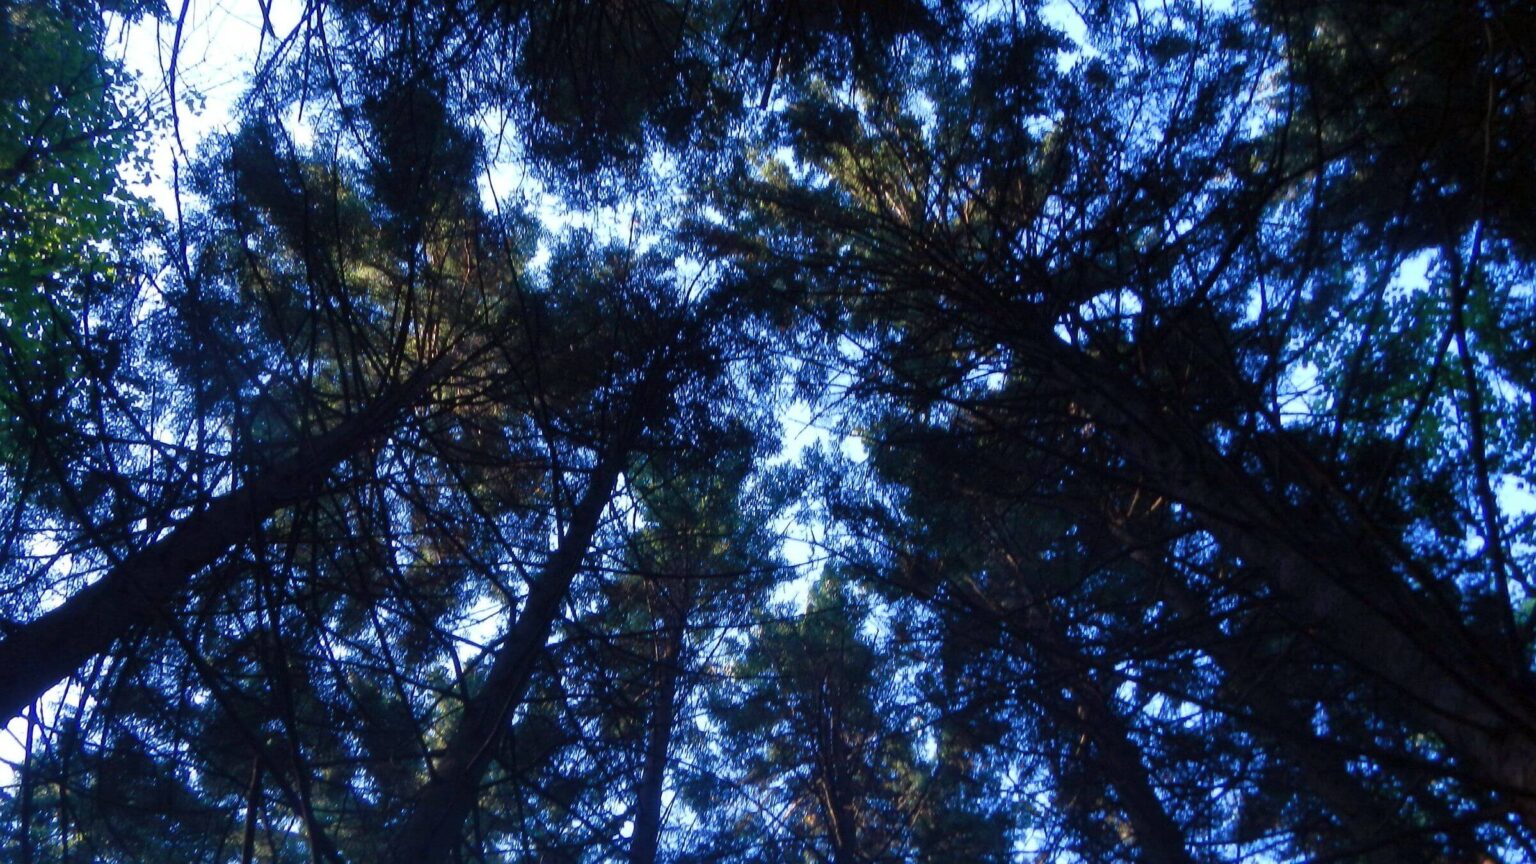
point(142, 589)
point(433, 829)
point(1085, 706)
point(1340, 580)
point(647, 830)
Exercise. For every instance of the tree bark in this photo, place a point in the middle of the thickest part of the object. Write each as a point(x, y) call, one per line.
point(1338, 583)
point(1120, 764)
point(433, 829)
point(647, 830)
point(142, 589)
point(1371, 825)
point(252, 806)
point(1115, 755)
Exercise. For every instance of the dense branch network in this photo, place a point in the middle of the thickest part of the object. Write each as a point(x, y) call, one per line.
point(434, 484)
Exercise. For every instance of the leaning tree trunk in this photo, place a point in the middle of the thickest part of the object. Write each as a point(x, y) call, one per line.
point(433, 829)
point(141, 590)
point(1112, 751)
point(1119, 763)
point(1338, 579)
point(1371, 822)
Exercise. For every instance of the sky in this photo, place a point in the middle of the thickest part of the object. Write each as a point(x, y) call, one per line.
point(216, 49)
point(218, 46)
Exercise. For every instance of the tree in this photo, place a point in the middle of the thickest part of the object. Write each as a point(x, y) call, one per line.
point(1128, 266)
point(814, 742)
point(68, 222)
point(1170, 367)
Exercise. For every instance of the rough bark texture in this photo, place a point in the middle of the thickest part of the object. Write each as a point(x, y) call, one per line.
point(1371, 824)
point(1119, 761)
point(1111, 749)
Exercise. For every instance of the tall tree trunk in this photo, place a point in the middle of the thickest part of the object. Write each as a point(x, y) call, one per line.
point(1119, 762)
point(1371, 824)
point(252, 807)
point(24, 818)
point(1339, 581)
point(432, 831)
point(647, 830)
point(141, 590)
point(842, 825)
point(1112, 751)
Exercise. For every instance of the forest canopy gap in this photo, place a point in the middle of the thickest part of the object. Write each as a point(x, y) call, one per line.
point(857, 431)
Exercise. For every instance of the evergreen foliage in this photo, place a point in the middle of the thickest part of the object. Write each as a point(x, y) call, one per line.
point(768, 430)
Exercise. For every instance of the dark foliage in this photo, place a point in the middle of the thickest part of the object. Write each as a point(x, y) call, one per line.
point(733, 431)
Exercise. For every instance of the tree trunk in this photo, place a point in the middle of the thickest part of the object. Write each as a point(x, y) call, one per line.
point(647, 831)
point(141, 590)
point(432, 831)
point(1116, 757)
point(1371, 825)
point(1338, 584)
point(1120, 764)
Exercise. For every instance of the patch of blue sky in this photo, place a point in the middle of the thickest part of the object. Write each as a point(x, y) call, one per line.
point(1298, 397)
point(1413, 274)
point(214, 50)
point(60, 697)
point(1065, 17)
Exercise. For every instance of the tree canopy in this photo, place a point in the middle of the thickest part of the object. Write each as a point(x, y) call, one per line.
point(769, 430)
